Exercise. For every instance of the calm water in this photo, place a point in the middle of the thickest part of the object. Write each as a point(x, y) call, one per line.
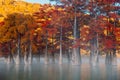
point(39, 71)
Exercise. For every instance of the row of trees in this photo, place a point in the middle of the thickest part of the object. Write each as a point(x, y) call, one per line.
point(69, 27)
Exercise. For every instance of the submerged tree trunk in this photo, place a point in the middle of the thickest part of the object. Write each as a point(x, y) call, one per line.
point(17, 58)
point(53, 57)
point(114, 58)
point(25, 56)
point(76, 50)
point(69, 54)
point(30, 54)
point(53, 54)
point(10, 56)
point(92, 51)
point(94, 55)
point(108, 59)
point(91, 57)
point(46, 49)
point(60, 57)
point(111, 58)
point(39, 52)
point(97, 50)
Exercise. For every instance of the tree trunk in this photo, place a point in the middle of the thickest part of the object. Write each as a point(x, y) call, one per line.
point(108, 59)
point(98, 56)
point(10, 56)
point(92, 51)
point(17, 59)
point(53, 54)
point(94, 55)
point(46, 49)
point(69, 55)
point(76, 50)
point(39, 52)
point(60, 57)
point(114, 58)
point(97, 50)
point(91, 57)
point(25, 57)
point(30, 54)
point(53, 57)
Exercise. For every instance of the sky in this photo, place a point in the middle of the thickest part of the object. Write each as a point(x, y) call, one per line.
point(38, 1)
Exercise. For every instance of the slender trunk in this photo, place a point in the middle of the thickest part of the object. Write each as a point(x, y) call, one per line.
point(17, 59)
point(18, 45)
point(10, 56)
point(60, 57)
point(76, 34)
point(30, 54)
point(94, 55)
point(108, 59)
point(25, 57)
point(53, 55)
point(91, 57)
point(98, 56)
point(114, 58)
point(69, 55)
point(46, 49)
point(92, 51)
point(39, 55)
point(97, 50)
point(8, 59)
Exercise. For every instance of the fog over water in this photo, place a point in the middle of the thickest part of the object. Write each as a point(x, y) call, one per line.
point(54, 71)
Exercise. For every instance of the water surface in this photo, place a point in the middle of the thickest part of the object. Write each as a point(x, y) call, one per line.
point(40, 71)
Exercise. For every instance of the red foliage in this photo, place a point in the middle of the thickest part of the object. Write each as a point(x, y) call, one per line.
point(107, 1)
point(109, 42)
point(113, 15)
point(2, 23)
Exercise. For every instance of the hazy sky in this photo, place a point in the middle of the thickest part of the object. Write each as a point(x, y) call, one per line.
point(38, 1)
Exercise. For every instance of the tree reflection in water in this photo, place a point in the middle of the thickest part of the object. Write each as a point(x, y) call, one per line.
point(66, 71)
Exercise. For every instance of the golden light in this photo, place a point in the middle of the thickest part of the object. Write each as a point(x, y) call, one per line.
point(105, 32)
point(38, 29)
point(70, 37)
point(34, 34)
point(86, 26)
point(53, 7)
point(1, 19)
point(60, 9)
point(112, 19)
point(43, 20)
point(49, 19)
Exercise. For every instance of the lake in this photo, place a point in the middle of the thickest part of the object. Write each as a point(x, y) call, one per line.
point(40, 71)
